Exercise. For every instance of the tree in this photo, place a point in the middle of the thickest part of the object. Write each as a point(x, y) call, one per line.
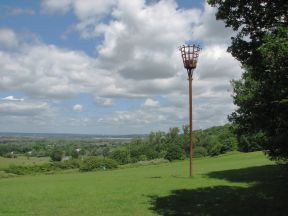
point(122, 156)
point(174, 152)
point(56, 155)
point(261, 95)
point(105, 152)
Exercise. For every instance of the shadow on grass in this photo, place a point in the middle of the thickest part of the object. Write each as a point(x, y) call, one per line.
point(267, 195)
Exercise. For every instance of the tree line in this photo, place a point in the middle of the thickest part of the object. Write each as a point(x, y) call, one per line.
point(171, 145)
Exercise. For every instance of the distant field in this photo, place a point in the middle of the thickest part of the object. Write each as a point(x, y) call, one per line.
point(233, 184)
point(22, 160)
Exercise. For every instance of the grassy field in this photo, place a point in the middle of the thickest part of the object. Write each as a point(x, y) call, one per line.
point(22, 160)
point(233, 184)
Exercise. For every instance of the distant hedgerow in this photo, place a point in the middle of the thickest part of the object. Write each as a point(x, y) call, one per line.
point(95, 163)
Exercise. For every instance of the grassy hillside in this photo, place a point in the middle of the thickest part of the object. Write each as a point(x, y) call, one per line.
point(226, 185)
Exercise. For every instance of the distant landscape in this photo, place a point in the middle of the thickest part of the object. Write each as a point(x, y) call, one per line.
point(70, 136)
point(173, 145)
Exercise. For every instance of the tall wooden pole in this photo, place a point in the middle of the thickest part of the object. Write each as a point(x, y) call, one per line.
point(190, 119)
point(190, 55)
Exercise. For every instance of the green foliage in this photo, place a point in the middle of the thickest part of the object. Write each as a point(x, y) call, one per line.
point(174, 152)
point(159, 145)
point(3, 174)
point(147, 163)
point(75, 154)
point(106, 152)
point(56, 155)
point(261, 95)
point(252, 19)
point(152, 147)
point(200, 152)
point(142, 158)
point(28, 170)
point(10, 155)
point(67, 164)
point(122, 156)
point(215, 150)
point(95, 163)
point(43, 168)
point(251, 142)
point(216, 140)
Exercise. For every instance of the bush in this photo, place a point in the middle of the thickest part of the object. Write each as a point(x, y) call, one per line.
point(43, 168)
point(142, 158)
point(18, 170)
point(199, 152)
point(26, 170)
point(68, 164)
point(147, 163)
point(56, 155)
point(10, 155)
point(122, 156)
point(3, 174)
point(175, 152)
point(75, 154)
point(215, 150)
point(95, 163)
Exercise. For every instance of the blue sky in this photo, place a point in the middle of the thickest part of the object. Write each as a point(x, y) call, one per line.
point(110, 67)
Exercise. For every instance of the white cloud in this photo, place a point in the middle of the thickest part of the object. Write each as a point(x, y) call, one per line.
point(83, 9)
point(12, 98)
point(216, 63)
point(48, 71)
point(209, 30)
point(142, 32)
point(8, 38)
point(87, 9)
point(78, 108)
point(24, 108)
point(56, 6)
point(138, 58)
point(149, 102)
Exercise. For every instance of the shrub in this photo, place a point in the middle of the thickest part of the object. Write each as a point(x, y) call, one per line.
point(18, 170)
point(68, 164)
point(26, 170)
point(199, 152)
point(147, 162)
point(3, 174)
point(122, 156)
point(95, 163)
point(75, 154)
point(142, 158)
point(43, 168)
point(10, 155)
point(174, 152)
point(56, 155)
point(215, 150)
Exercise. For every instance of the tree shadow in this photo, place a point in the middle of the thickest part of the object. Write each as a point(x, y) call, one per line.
point(267, 195)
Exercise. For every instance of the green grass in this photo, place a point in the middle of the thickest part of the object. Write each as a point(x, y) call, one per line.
point(233, 184)
point(22, 160)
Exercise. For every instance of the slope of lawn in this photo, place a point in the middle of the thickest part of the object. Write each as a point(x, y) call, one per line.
point(232, 184)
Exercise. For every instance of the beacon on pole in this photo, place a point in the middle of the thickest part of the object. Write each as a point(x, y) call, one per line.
point(190, 55)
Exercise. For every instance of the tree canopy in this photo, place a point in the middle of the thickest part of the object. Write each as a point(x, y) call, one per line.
point(261, 95)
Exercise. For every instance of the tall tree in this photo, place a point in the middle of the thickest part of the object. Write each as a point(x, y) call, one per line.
point(261, 45)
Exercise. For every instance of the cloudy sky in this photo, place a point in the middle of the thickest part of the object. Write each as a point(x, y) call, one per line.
point(111, 66)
